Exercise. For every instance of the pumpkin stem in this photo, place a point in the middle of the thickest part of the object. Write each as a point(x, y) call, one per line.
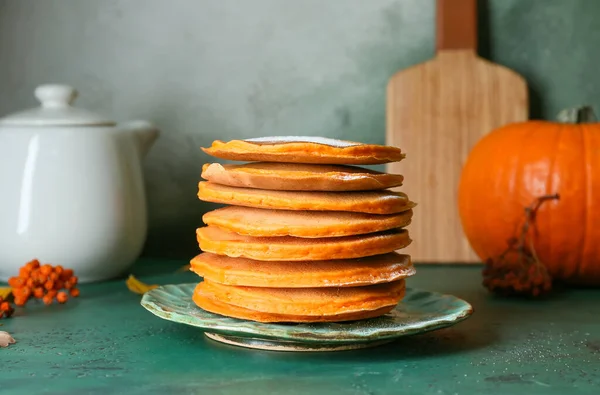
point(581, 114)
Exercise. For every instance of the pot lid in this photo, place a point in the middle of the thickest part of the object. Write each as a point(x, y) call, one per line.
point(56, 110)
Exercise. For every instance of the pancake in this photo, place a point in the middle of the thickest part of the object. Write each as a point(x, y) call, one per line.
point(314, 304)
point(304, 149)
point(259, 222)
point(299, 177)
point(303, 274)
point(373, 202)
point(288, 248)
point(215, 306)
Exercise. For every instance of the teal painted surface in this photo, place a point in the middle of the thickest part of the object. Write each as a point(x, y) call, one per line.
point(106, 343)
point(207, 69)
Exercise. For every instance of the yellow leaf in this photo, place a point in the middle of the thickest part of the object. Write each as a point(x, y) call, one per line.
point(184, 268)
point(5, 292)
point(137, 286)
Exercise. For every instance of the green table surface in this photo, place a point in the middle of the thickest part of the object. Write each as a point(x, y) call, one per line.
point(105, 343)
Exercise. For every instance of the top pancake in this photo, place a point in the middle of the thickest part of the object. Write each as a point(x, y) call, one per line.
point(304, 149)
point(299, 177)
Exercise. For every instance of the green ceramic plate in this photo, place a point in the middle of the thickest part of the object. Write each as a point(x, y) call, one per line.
point(419, 312)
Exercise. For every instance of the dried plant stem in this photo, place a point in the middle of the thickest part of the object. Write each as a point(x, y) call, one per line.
point(530, 214)
point(523, 273)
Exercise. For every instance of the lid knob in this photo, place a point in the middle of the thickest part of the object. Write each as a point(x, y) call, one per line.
point(53, 96)
point(56, 110)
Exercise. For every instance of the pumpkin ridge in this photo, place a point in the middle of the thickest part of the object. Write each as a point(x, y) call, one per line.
point(518, 175)
point(549, 188)
point(587, 179)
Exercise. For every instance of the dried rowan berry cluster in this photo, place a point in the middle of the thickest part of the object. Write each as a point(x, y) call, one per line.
point(518, 270)
point(6, 310)
point(520, 275)
point(45, 282)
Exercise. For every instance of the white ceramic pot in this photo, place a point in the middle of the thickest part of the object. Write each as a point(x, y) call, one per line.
point(71, 188)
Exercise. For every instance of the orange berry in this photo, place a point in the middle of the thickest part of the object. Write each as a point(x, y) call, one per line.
point(33, 264)
point(54, 276)
point(73, 280)
point(62, 297)
point(46, 270)
point(40, 280)
point(74, 292)
point(69, 284)
point(49, 285)
point(48, 299)
point(66, 274)
point(22, 293)
point(30, 283)
point(38, 292)
point(59, 284)
point(24, 272)
point(20, 301)
point(58, 269)
point(52, 293)
point(16, 282)
point(6, 310)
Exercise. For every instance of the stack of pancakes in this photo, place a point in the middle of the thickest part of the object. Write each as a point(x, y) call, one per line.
point(307, 235)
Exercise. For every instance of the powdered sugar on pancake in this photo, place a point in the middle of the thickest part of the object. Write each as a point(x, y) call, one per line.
point(304, 139)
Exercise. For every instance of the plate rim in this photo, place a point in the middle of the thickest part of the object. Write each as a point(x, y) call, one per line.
point(278, 331)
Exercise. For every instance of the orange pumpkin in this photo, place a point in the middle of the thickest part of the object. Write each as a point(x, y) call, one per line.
point(515, 164)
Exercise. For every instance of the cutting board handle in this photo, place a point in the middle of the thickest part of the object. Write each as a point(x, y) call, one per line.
point(456, 24)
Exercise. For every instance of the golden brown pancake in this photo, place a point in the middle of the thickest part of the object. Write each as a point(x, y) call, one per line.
point(374, 202)
point(251, 221)
point(303, 274)
point(303, 149)
point(217, 307)
point(299, 177)
point(288, 248)
point(309, 304)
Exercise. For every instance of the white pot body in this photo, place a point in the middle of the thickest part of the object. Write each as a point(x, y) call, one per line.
point(71, 196)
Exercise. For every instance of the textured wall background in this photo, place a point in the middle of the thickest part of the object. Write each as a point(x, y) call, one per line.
point(207, 69)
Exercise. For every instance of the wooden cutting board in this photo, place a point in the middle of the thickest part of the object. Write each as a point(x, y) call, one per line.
point(436, 112)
